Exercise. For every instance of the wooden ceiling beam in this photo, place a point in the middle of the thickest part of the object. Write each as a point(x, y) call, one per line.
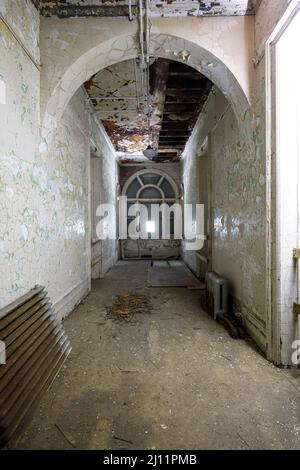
point(180, 134)
point(183, 125)
point(179, 112)
point(183, 139)
point(180, 107)
point(171, 148)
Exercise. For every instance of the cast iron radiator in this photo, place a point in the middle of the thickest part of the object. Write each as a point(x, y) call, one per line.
point(36, 347)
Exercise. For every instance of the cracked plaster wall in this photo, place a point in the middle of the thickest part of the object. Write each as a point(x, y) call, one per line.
point(67, 206)
point(246, 171)
point(44, 191)
point(77, 8)
point(108, 187)
point(24, 20)
point(20, 172)
point(237, 209)
point(44, 223)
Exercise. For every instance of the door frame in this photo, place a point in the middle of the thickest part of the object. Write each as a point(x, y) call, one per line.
point(272, 214)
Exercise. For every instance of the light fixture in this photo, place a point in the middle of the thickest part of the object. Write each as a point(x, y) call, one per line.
point(150, 152)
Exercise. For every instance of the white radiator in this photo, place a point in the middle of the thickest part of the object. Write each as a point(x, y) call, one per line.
point(216, 293)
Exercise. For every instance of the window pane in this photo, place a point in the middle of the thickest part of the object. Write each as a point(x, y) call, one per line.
point(150, 178)
point(133, 189)
point(167, 189)
point(150, 193)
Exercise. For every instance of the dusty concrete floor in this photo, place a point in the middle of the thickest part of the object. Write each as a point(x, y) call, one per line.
point(169, 379)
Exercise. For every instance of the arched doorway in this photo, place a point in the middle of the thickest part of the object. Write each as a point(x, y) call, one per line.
point(93, 56)
point(151, 188)
point(234, 83)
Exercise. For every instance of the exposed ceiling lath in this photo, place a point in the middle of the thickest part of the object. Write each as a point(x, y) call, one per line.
point(119, 102)
point(177, 95)
point(115, 8)
point(186, 93)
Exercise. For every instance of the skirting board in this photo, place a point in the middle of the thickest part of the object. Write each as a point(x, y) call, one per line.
point(66, 304)
point(256, 329)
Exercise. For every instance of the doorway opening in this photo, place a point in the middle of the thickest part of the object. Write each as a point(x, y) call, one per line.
point(283, 140)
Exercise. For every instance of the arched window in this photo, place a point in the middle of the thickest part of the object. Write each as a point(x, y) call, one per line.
point(151, 187)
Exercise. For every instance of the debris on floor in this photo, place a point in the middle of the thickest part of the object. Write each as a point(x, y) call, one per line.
point(172, 379)
point(127, 305)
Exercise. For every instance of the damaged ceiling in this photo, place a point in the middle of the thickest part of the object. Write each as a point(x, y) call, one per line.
point(143, 103)
point(119, 95)
point(83, 8)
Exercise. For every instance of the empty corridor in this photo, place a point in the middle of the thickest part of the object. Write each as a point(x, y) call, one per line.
point(167, 377)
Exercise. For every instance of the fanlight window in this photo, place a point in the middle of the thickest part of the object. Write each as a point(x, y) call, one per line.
point(151, 187)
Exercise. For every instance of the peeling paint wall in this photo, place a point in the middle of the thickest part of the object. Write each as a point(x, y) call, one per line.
point(96, 244)
point(44, 191)
point(24, 20)
point(66, 203)
point(78, 8)
point(193, 166)
point(45, 207)
point(22, 177)
point(108, 189)
point(237, 210)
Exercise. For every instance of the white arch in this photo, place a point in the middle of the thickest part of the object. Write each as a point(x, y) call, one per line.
point(125, 48)
point(79, 65)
